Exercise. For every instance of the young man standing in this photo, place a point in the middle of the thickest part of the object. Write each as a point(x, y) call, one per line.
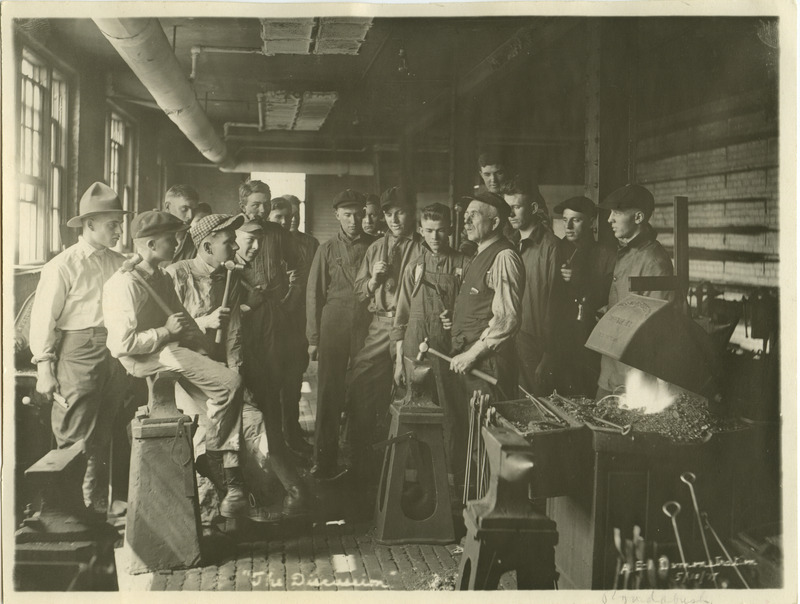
point(378, 283)
point(181, 201)
point(276, 273)
point(296, 344)
point(147, 340)
point(373, 221)
point(335, 325)
point(638, 254)
point(542, 255)
point(68, 338)
point(587, 273)
point(427, 295)
point(261, 373)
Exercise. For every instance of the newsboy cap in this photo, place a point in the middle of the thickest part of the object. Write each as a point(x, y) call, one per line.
point(348, 197)
point(98, 199)
point(630, 197)
point(214, 223)
point(581, 204)
point(492, 199)
point(155, 222)
point(396, 197)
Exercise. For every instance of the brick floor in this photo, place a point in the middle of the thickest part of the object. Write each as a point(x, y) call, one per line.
point(336, 551)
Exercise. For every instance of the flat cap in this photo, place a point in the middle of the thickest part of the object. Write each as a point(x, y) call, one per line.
point(251, 226)
point(155, 222)
point(348, 197)
point(581, 204)
point(630, 197)
point(492, 199)
point(214, 223)
point(99, 198)
point(397, 197)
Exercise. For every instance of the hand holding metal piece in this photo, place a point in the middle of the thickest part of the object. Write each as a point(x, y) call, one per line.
point(689, 478)
point(707, 524)
point(671, 509)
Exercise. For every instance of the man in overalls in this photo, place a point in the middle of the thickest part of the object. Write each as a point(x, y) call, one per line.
point(378, 282)
point(336, 320)
point(427, 295)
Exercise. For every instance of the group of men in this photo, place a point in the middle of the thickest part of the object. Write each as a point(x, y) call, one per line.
point(238, 305)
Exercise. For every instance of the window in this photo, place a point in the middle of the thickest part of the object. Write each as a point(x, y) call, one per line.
point(120, 164)
point(41, 158)
point(286, 183)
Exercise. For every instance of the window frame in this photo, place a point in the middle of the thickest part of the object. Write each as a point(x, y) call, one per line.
point(48, 227)
point(129, 193)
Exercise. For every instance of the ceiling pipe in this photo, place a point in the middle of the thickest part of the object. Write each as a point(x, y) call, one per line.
point(196, 50)
point(146, 50)
point(336, 168)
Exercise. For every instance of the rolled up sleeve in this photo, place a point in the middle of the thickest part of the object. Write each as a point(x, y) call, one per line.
point(506, 278)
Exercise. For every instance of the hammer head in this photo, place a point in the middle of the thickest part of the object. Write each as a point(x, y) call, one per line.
point(128, 265)
point(423, 350)
point(232, 266)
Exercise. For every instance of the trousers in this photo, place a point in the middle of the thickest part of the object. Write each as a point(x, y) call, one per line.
point(207, 382)
point(340, 336)
point(371, 384)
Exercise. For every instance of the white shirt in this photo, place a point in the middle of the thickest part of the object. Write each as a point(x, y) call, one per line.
point(69, 295)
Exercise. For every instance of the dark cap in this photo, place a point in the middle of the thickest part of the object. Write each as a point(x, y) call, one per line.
point(584, 205)
point(213, 223)
point(492, 199)
point(154, 222)
point(630, 197)
point(372, 200)
point(396, 197)
point(348, 197)
point(251, 226)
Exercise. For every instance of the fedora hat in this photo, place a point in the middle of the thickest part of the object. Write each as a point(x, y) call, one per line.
point(98, 199)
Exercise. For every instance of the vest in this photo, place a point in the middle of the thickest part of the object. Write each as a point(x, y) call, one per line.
point(473, 308)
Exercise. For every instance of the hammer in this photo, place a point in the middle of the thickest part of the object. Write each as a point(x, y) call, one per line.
point(129, 267)
point(231, 266)
point(424, 349)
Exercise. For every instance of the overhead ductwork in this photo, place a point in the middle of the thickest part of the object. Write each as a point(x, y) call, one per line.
point(146, 50)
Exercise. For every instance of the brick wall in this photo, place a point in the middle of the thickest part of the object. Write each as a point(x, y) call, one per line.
point(724, 158)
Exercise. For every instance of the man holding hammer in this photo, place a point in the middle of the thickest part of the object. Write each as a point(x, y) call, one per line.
point(68, 338)
point(487, 312)
point(150, 331)
point(427, 295)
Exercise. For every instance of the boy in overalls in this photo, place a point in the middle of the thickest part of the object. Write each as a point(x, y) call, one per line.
point(427, 295)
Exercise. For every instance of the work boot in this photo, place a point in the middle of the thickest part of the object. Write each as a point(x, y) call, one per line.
point(297, 501)
point(235, 504)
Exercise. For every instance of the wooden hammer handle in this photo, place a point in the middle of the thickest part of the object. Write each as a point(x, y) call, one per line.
point(218, 337)
point(159, 300)
point(475, 372)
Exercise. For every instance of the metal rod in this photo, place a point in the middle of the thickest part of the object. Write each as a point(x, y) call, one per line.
point(676, 507)
point(540, 405)
point(704, 516)
point(688, 478)
point(470, 438)
point(479, 460)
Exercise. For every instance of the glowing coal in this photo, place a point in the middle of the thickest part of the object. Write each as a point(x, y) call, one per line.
point(647, 392)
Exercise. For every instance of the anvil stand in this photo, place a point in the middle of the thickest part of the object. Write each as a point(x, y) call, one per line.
point(504, 532)
point(414, 511)
point(63, 547)
point(163, 523)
